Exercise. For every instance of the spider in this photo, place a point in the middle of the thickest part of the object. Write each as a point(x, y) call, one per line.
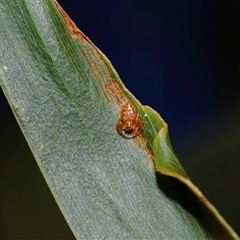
point(129, 124)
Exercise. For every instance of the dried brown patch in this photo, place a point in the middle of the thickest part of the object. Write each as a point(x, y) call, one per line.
point(118, 96)
point(142, 142)
point(115, 95)
point(112, 89)
point(71, 26)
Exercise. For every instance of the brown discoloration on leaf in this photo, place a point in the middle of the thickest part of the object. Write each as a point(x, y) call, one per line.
point(114, 94)
point(112, 89)
point(71, 26)
point(74, 31)
point(142, 142)
point(118, 96)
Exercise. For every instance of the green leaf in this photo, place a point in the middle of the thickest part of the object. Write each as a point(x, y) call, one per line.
point(66, 97)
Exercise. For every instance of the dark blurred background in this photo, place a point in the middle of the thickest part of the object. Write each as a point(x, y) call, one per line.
point(182, 58)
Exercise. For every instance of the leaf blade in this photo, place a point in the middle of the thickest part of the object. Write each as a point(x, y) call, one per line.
point(65, 96)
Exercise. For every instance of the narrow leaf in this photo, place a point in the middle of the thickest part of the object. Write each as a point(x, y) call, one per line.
point(66, 97)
